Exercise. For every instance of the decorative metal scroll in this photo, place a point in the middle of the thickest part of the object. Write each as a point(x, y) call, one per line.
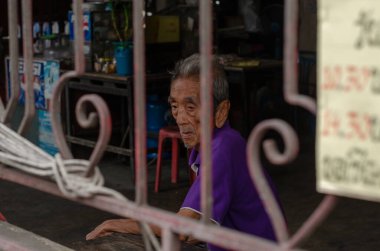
point(171, 224)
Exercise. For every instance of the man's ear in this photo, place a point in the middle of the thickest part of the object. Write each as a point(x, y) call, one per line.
point(221, 113)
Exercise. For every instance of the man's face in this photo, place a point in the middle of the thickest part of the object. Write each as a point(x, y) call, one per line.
point(184, 100)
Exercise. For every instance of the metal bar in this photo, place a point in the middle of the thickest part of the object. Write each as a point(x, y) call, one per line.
point(205, 10)
point(150, 237)
point(139, 100)
point(145, 238)
point(291, 46)
point(13, 63)
point(258, 177)
point(290, 57)
point(89, 120)
point(55, 111)
point(30, 110)
point(141, 183)
point(79, 37)
point(291, 95)
point(170, 241)
point(225, 237)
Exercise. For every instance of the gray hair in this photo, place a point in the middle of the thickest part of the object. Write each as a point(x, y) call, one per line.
point(190, 68)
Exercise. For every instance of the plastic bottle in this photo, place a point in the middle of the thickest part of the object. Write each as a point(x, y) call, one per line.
point(36, 30)
point(46, 29)
point(67, 28)
point(55, 27)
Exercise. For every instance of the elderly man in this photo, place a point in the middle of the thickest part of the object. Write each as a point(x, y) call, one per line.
point(236, 202)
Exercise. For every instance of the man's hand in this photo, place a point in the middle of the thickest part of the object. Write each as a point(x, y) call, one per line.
point(110, 226)
point(130, 226)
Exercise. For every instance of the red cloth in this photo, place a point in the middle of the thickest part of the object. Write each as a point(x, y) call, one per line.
point(2, 218)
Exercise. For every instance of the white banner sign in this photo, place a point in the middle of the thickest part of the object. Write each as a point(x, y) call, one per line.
point(348, 134)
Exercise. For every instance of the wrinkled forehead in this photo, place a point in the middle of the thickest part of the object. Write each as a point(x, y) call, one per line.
point(185, 85)
point(187, 79)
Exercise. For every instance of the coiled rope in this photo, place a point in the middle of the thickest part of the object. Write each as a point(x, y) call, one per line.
point(18, 152)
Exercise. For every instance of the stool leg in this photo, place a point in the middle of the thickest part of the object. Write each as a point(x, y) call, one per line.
point(158, 167)
point(174, 173)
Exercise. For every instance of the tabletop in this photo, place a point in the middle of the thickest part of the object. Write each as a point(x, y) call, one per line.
point(252, 65)
point(121, 79)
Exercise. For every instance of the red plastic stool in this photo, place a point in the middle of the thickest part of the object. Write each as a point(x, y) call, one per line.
point(173, 133)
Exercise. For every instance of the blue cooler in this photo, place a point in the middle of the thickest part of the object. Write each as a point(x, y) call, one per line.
point(156, 111)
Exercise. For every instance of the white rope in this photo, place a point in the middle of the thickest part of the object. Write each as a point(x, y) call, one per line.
point(18, 152)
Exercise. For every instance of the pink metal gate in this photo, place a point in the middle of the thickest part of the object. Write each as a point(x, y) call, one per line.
point(171, 224)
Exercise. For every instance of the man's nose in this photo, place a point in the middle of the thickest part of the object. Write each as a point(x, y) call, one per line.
point(181, 117)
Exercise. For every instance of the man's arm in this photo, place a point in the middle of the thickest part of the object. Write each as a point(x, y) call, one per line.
point(130, 226)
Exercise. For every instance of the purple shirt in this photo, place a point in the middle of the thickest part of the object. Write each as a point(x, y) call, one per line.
point(236, 202)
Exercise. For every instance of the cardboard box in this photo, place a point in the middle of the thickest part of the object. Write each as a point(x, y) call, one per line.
point(46, 140)
point(45, 77)
point(162, 29)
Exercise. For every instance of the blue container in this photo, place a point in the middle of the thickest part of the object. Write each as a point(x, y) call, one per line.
point(156, 111)
point(123, 56)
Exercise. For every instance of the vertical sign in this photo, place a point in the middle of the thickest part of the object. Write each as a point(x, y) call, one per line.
point(348, 137)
